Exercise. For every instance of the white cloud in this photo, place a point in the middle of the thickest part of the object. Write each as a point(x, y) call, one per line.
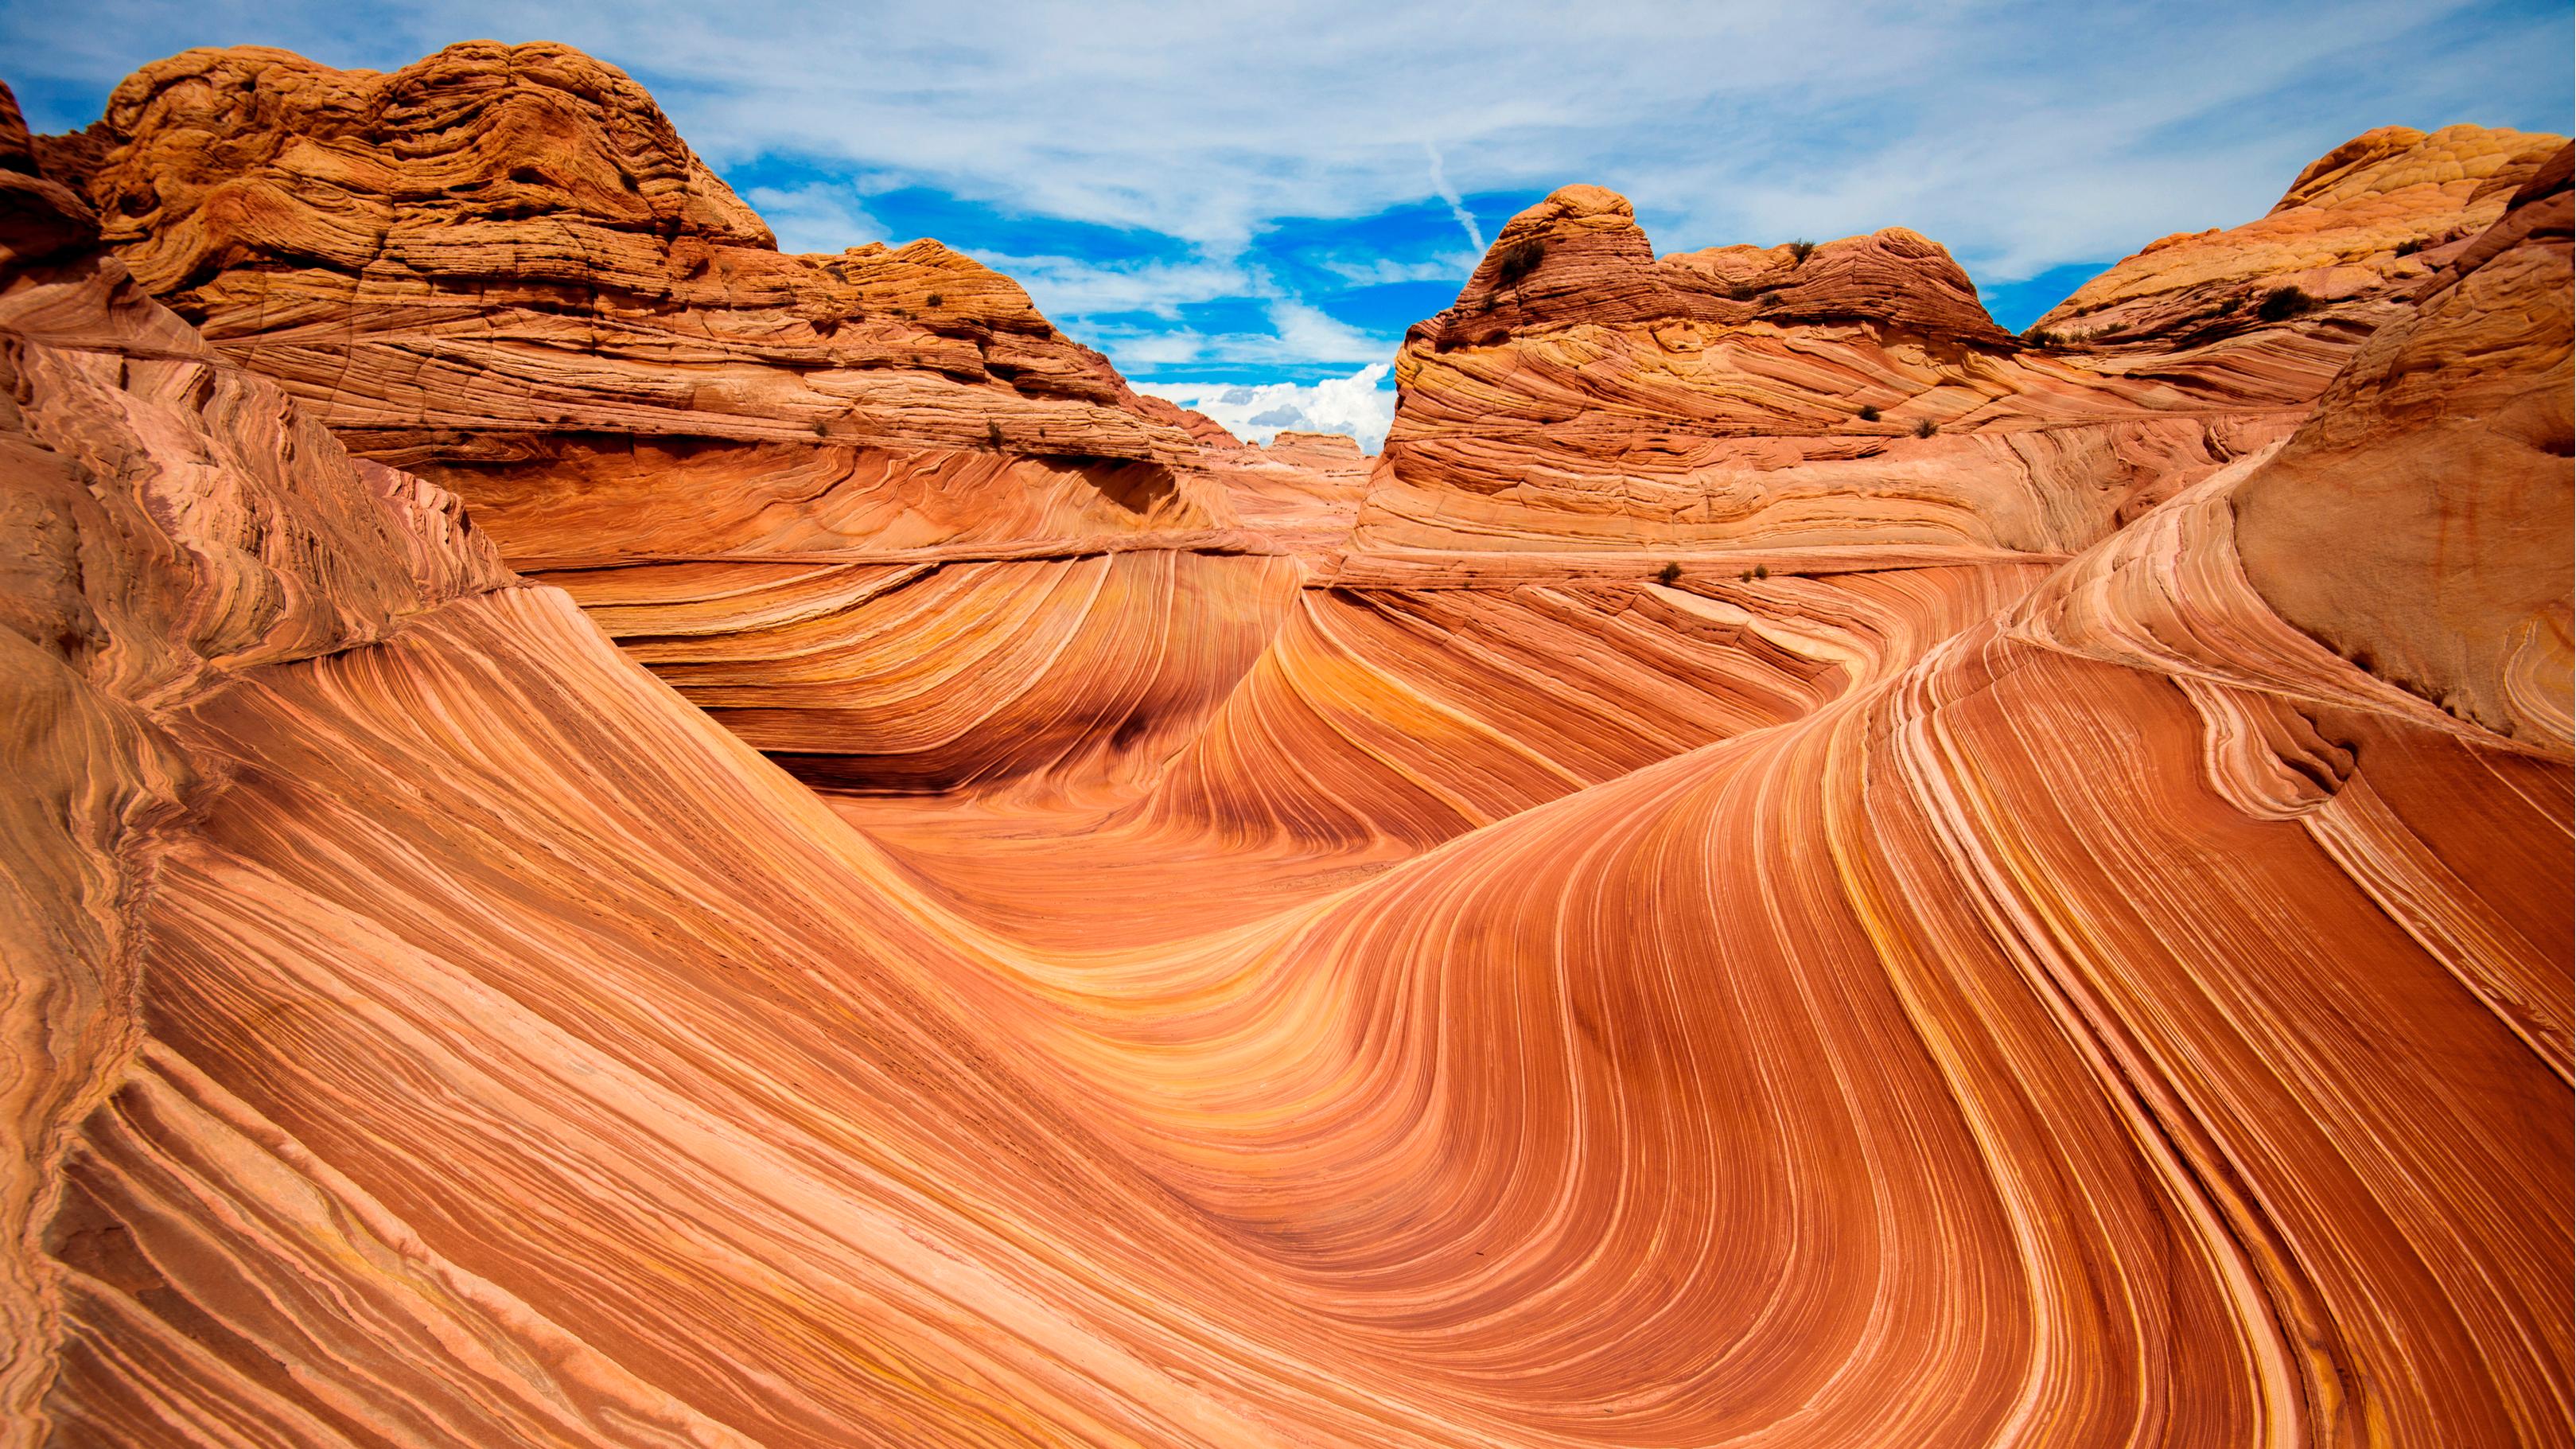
point(818, 216)
point(1360, 405)
point(1380, 271)
point(1132, 351)
point(1310, 336)
point(1299, 334)
point(1066, 287)
point(2020, 134)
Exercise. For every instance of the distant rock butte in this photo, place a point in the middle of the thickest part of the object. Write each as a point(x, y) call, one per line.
point(1691, 916)
point(2364, 224)
point(1579, 257)
point(503, 242)
point(1301, 490)
point(1585, 395)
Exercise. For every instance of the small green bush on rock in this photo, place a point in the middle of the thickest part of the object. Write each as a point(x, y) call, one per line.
point(1518, 260)
point(2284, 303)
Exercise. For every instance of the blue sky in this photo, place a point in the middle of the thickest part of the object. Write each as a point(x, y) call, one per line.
point(1260, 198)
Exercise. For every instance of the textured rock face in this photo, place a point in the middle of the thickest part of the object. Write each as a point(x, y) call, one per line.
point(171, 524)
point(1846, 987)
point(504, 242)
point(2365, 223)
point(1301, 490)
point(42, 216)
point(2420, 525)
point(503, 270)
point(1583, 394)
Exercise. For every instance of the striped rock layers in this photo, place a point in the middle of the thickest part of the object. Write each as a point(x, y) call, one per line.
point(500, 243)
point(1585, 394)
point(501, 269)
point(2026, 977)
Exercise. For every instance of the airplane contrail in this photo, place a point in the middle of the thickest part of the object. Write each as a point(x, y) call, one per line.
point(1449, 194)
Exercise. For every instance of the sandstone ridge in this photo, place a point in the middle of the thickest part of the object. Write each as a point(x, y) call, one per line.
point(508, 240)
point(503, 270)
point(1849, 396)
point(1579, 257)
point(2367, 221)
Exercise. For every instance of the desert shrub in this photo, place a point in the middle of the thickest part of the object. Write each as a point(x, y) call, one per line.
point(1868, 413)
point(2283, 304)
point(993, 434)
point(1801, 249)
point(933, 300)
point(2038, 336)
point(1668, 573)
point(1762, 571)
point(1518, 260)
point(1924, 428)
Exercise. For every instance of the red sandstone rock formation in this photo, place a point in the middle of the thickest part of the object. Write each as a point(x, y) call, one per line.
point(2366, 222)
point(1832, 973)
point(1585, 395)
point(2419, 525)
point(461, 258)
point(502, 269)
point(1301, 490)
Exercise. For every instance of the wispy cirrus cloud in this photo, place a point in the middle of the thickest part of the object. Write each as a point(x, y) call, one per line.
point(1296, 333)
point(818, 216)
point(1065, 286)
point(1386, 271)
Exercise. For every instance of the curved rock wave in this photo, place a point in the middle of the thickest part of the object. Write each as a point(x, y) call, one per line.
point(1882, 984)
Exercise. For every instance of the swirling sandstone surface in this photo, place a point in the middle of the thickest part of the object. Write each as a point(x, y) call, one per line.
point(2068, 945)
point(502, 270)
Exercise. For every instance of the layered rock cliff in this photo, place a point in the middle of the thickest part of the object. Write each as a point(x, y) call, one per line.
point(1805, 976)
point(2367, 222)
point(2416, 526)
point(499, 244)
point(1584, 394)
point(503, 270)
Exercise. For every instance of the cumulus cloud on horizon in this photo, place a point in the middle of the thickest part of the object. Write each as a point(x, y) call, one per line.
point(1360, 405)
